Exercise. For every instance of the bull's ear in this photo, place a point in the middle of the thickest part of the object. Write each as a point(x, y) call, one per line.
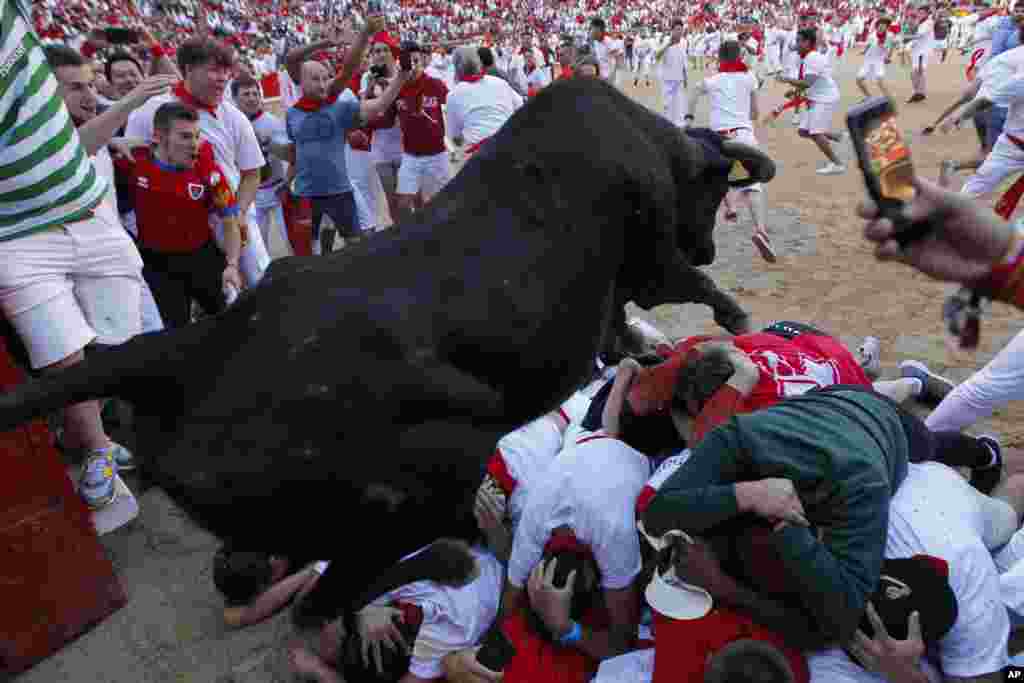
point(756, 167)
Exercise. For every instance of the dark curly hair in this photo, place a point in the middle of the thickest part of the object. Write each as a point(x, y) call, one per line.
point(699, 378)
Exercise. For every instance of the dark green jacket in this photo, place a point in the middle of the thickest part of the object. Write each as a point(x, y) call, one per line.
point(846, 453)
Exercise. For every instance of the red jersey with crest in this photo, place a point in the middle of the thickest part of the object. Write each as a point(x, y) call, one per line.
point(420, 116)
point(172, 205)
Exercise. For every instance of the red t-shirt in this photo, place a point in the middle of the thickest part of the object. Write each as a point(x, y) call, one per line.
point(172, 206)
point(681, 646)
point(788, 368)
point(419, 114)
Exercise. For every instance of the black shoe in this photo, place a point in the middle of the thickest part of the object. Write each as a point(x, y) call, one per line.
point(985, 479)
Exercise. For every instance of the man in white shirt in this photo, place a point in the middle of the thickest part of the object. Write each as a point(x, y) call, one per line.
point(672, 58)
point(935, 512)
point(822, 95)
point(601, 47)
point(479, 104)
point(922, 45)
point(732, 95)
point(877, 54)
point(206, 66)
point(270, 131)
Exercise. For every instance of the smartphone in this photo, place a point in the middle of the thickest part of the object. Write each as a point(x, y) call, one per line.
point(121, 36)
point(884, 158)
point(405, 60)
point(496, 651)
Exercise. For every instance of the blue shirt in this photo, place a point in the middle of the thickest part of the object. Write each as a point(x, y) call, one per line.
point(319, 138)
point(1006, 36)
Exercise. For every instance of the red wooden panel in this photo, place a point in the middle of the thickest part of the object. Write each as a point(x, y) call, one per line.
point(55, 578)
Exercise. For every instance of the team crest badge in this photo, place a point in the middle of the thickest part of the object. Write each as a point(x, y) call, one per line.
point(195, 191)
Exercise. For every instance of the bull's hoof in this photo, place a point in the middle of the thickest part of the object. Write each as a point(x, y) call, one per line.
point(736, 324)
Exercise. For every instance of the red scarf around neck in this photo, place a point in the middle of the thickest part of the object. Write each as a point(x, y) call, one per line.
point(731, 67)
point(882, 37)
point(473, 78)
point(309, 104)
point(187, 98)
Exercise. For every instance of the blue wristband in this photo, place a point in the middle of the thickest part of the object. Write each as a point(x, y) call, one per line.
point(574, 635)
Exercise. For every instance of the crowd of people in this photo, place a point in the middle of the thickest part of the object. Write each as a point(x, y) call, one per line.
point(753, 508)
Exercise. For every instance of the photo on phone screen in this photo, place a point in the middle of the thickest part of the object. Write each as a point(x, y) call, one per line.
point(889, 157)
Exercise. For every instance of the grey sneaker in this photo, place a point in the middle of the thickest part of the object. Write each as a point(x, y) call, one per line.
point(869, 355)
point(985, 479)
point(936, 387)
point(96, 485)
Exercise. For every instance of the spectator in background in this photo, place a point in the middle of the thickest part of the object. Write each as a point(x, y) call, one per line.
point(425, 168)
point(206, 65)
point(318, 125)
point(273, 138)
point(386, 145)
point(480, 104)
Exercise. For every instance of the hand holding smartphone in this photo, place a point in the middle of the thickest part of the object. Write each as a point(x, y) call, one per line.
point(885, 162)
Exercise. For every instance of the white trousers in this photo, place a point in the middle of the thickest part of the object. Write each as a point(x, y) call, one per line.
point(674, 95)
point(268, 210)
point(995, 385)
point(365, 185)
point(255, 257)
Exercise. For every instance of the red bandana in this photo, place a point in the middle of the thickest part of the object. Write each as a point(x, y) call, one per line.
point(731, 67)
point(186, 97)
point(882, 36)
point(309, 104)
point(473, 78)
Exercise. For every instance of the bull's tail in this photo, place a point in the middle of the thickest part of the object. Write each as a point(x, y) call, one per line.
point(116, 371)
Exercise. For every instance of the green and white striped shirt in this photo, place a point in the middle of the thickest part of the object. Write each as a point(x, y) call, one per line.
point(46, 177)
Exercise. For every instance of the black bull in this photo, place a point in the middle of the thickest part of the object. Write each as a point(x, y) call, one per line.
point(347, 405)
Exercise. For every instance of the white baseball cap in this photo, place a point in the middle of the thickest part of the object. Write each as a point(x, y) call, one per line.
point(669, 595)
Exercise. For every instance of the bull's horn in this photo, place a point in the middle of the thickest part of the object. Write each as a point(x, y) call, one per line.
point(761, 168)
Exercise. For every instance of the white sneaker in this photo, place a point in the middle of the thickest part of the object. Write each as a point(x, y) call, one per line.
point(870, 360)
point(832, 169)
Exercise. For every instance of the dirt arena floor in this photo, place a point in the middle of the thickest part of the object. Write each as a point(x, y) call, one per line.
point(171, 631)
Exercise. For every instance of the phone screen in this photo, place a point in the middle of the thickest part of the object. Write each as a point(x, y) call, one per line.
point(889, 158)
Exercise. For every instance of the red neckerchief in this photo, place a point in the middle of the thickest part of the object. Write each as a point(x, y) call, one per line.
point(473, 78)
point(731, 67)
point(803, 55)
point(881, 37)
point(187, 98)
point(252, 119)
point(530, 68)
point(309, 104)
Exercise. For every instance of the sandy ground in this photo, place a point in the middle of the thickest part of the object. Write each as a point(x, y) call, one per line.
point(171, 630)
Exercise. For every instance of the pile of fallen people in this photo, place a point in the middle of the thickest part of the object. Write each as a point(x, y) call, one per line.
point(752, 508)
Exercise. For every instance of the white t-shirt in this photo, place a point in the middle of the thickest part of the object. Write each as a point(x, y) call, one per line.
point(270, 128)
point(525, 455)
point(824, 89)
point(878, 50)
point(453, 618)
point(932, 514)
point(924, 40)
point(1002, 84)
point(602, 53)
point(230, 133)
point(729, 96)
point(477, 110)
point(632, 667)
point(673, 63)
point(591, 488)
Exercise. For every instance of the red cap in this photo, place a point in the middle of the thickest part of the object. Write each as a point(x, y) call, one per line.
point(385, 37)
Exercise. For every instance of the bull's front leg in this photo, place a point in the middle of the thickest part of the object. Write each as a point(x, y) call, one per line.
point(689, 284)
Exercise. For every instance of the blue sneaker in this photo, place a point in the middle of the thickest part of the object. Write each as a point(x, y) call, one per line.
point(935, 387)
point(96, 485)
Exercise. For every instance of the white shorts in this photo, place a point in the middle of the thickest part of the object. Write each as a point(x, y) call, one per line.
point(64, 288)
point(426, 174)
point(872, 71)
point(1005, 159)
point(920, 59)
point(817, 118)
